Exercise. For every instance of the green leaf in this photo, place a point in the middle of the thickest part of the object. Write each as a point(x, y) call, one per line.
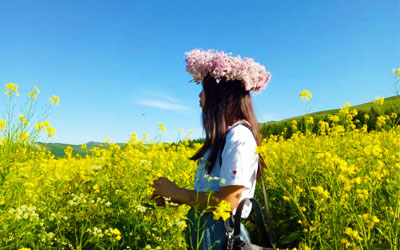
point(381, 246)
point(291, 237)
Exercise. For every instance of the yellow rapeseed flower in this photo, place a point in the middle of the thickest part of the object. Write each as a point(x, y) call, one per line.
point(24, 136)
point(305, 94)
point(11, 89)
point(299, 189)
point(96, 190)
point(345, 242)
point(294, 124)
point(2, 124)
point(370, 220)
point(50, 130)
point(133, 138)
point(35, 88)
point(32, 95)
point(334, 118)
point(39, 126)
point(222, 210)
point(54, 99)
point(161, 127)
point(361, 194)
point(116, 231)
point(379, 100)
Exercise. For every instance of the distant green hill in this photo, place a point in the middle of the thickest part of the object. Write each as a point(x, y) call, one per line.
point(284, 127)
point(57, 149)
point(390, 102)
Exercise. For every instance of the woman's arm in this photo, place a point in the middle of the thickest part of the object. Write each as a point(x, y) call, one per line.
point(165, 188)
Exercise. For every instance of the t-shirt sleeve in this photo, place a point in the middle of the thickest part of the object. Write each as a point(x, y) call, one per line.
point(238, 157)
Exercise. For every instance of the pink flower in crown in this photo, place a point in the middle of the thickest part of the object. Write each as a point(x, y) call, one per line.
point(220, 65)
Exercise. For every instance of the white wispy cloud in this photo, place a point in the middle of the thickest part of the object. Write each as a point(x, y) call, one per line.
point(159, 100)
point(159, 95)
point(163, 105)
point(168, 98)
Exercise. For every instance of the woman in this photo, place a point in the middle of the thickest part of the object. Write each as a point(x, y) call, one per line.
point(228, 155)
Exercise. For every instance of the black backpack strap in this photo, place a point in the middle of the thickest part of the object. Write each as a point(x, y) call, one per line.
point(259, 220)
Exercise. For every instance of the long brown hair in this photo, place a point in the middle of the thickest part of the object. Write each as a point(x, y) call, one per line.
point(226, 102)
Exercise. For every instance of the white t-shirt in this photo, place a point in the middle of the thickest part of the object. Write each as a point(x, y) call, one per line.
point(239, 166)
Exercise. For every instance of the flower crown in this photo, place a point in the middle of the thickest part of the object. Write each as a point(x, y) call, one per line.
point(220, 65)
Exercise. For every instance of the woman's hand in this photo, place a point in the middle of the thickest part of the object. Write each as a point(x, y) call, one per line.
point(160, 202)
point(163, 187)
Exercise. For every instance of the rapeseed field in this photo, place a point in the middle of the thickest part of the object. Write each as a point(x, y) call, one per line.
point(337, 189)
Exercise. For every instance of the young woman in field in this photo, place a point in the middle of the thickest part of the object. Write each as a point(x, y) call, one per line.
point(228, 164)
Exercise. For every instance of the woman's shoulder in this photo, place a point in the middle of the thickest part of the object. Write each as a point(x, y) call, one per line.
point(242, 134)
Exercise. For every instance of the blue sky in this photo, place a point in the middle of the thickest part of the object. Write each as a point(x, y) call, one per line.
point(118, 66)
